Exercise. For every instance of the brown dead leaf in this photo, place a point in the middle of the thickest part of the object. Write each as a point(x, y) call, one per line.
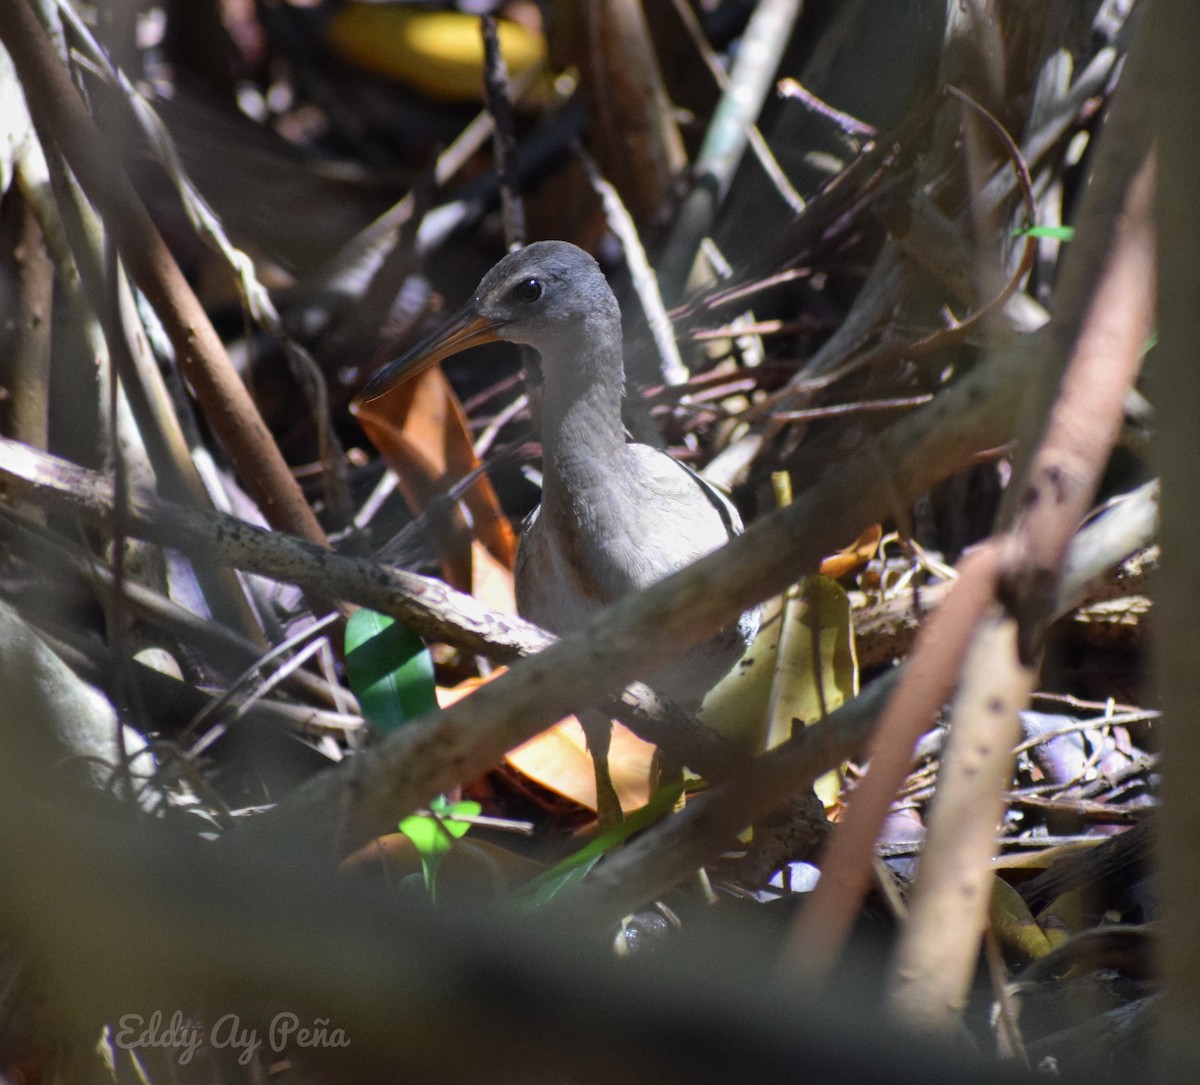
point(421, 431)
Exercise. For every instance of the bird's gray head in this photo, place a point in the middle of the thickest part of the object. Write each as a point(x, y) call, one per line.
point(547, 292)
point(551, 296)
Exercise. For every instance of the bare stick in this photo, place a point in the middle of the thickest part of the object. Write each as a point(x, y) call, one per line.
point(1175, 114)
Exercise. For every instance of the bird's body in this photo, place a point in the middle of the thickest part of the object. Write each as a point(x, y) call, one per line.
point(584, 547)
point(615, 517)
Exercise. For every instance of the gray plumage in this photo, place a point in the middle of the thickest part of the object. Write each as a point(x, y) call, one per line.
point(615, 517)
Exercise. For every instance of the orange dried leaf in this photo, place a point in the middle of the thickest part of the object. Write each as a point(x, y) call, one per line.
point(421, 432)
point(447, 697)
point(558, 759)
point(857, 553)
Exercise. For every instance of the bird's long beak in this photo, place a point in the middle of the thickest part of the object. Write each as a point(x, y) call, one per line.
point(467, 328)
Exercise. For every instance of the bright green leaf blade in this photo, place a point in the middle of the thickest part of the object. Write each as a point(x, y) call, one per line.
point(390, 670)
point(546, 886)
point(1054, 233)
point(434, 834)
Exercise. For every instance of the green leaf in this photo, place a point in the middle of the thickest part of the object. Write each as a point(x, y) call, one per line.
point(546, 886)
point(390, 670)
point(434, 834)
point(1054, 233)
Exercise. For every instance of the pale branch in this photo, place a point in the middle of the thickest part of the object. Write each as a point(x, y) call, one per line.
point(1119, 158)
point(427, 606)
point(949, 906)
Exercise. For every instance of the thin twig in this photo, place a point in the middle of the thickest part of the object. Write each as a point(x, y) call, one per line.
point(644, 281)
point(763, 43)
point(960, 330)
point(504, 140)
point(758, 144)
point(208, 227)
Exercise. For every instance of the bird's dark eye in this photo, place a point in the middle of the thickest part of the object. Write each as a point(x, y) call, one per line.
point(528, 291)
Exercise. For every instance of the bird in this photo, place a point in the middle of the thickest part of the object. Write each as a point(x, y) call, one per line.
point(615, 516)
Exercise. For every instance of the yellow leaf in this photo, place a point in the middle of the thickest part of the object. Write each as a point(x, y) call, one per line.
point(437, 52)
point(801, 666)
point(1019, 934)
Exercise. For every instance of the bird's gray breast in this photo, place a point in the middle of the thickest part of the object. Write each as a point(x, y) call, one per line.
point(551, 587)
point(584, 550)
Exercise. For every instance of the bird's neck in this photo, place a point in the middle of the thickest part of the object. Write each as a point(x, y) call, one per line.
point(583, 437)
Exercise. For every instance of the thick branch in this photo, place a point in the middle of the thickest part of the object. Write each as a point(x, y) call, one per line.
point(428, 607)
point(1123, 256)
point(1174, 29)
